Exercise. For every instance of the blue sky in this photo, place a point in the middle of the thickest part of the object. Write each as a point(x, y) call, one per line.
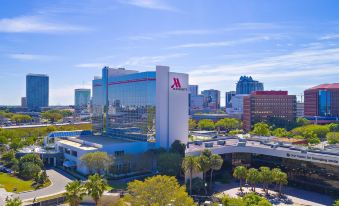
point(289, 45)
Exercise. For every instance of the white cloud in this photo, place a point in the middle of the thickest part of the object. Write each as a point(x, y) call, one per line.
point(31, 57)
point(34, 24)
point(221, 43)
point(330, 37)
point(150, 61)
point(149, 4)
point(91, 65)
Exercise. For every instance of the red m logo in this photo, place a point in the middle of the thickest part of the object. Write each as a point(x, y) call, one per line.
point(176, 83)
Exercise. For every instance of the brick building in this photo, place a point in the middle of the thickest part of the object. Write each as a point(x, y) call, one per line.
point(262, 105)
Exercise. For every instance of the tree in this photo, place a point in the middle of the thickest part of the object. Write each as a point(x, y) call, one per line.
point(75, 191)
point(205, 166)
point(190, 165)
point(265, 177)
point(228, 124)
point(280, 178)
point(178, 147)
point(215, 164)
point(157, 191)
point(319, 130)
point(280, 132)
point(29, 170)
point(332, 137)
point(13, 202)
point(52, 115)
point(192, 124)
point(21, 118)
point(252, 177)
point(34, 158)
point(169, 163)
point(254, 199)
point(261, 129)
point(206, 124)
point(240, 173)
point(302, 121)
point(96, 162)
point(96, 186)
point(336, 203)
point(333, 127)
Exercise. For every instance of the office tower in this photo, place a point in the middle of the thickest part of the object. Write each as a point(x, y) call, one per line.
point(141, 106)
point(23, 102)
point(193, 90)
point(228, 97)
point(37, 91)
point(82, 98)
point(211, 99)
point(246, 85)
point(261, 106)
point(322, 101)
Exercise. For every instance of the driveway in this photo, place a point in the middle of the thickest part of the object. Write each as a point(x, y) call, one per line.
point(59, 180)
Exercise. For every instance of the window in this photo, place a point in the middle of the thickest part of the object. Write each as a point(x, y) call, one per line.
point(119, 153)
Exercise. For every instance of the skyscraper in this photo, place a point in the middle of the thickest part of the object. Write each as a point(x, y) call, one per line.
point(37, 86)
point(228, 97)
point(193, 90)
point(211, 99)
point(246, 85)
point(82, 97)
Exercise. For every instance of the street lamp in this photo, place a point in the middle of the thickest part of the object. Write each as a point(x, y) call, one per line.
point(205, 188)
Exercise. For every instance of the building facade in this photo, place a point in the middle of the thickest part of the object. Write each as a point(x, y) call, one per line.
point(266, 105)
point(228, 98)
point(322, 101)
point(237, 103)
point(141, 106)
point(193, 90)
point(246, 85)
point(23, 102)
point(82, 97)
point(211, 99)
point(300, 109)
point(37, 91)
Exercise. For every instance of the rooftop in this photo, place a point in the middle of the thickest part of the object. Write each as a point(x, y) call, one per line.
point(77, 145)
point(325, 86)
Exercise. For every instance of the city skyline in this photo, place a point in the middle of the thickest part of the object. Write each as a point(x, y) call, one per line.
point(286, 45)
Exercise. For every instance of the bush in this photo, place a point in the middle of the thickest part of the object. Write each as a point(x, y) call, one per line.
point(319, 130)
point(332, 137)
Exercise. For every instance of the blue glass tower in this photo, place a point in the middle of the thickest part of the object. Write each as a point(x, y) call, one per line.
point(246, 85)
point(37, 86)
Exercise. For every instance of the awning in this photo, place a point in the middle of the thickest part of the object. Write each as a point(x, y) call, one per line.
point(69, 163)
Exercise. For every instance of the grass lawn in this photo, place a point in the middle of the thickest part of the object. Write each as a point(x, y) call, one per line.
point(9, 183)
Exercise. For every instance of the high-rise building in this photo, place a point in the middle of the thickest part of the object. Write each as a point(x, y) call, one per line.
point(237, 103)
point(82, 98)
point(141, 106)
point(322, 100)
point(246, 85)
point(193, 90)
point(37, 91)
point(263, 105)
point(211, 99)
point(228, 97)
point(23, 102)
point(300, 109)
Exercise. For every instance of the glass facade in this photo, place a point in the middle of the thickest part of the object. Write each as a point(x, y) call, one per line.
point(246, 85)
point(37, 87)
point(82, 97)
point(324, 103)
point(131, 106)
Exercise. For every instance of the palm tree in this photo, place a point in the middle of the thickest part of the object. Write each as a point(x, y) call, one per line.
point(96, 186)
point(281, 179)
point(265, 177)
point(215, 164)
point(240, 173)
point(75, 192)
point(190, 165)
point(252, 177)
point(204, 163)
point(13, 202)
point(275, 172)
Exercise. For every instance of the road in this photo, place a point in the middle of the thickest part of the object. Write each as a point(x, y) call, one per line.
point(59, 180)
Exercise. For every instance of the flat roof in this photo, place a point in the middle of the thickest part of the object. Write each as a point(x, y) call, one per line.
point(102, 140)
point(325, 86)
point(77, 145)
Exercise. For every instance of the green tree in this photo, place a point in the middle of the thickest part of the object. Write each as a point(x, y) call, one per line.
point(215, 164)
point(302, 121)
point(253, 199)
point(206, 124)
point(253, 177)
point(319, 130)
point(265, 177)
point(178, 147)
point(157, 191)
point(336, 203)
point(240, 173)
point(29, 170)
point(192, 124)
point(96, 186)
point(228, 124)
point(75, 191)
point(96, 162)
point(332, 137)
point(205, 165)
point(32, 158)
point(21, 118)
point(52, 115)
point(280, 178)
point(333, 127)
point(280, 132)
point(235, 132)
point(190, 165)
point(169, 163)
point(261, 129)
point(13, 201)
